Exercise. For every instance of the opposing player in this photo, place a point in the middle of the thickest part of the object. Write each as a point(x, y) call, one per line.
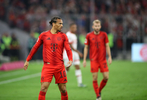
point(72, 38)
point(54, 41)
point(97, 42)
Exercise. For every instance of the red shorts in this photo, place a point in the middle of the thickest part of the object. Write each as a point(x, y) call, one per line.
point(96, 65)
point(48, 71)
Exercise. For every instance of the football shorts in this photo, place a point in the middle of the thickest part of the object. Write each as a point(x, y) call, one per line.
point(95, 66)
point(48, 71)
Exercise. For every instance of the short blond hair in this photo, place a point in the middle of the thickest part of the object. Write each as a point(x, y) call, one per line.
point(96, 21)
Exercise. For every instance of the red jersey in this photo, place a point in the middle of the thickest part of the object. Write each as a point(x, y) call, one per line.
point(53, 45)
point(97, 45)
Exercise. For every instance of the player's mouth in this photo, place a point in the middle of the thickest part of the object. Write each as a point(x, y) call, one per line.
point(97, 30)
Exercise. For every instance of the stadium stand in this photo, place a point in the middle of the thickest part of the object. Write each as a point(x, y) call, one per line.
point(125, 19)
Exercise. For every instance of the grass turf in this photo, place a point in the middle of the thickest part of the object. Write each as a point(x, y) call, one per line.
point(127, 81)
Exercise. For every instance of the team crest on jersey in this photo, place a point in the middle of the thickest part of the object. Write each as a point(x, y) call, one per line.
point(92, 38)
point(58, 38)
point(101, 37)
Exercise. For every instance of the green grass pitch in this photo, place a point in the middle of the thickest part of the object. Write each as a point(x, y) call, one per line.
point(127, 81)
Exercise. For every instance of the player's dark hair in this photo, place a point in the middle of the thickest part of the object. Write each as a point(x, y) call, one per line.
point(54, 20)
point(72, 24)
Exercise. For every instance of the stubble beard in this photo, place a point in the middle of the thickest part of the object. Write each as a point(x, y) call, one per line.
point(96, 31)
point(59, 30)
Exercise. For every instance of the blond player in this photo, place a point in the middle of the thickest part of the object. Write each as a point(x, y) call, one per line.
point(98, 44)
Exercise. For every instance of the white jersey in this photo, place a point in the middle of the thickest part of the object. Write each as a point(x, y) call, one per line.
point(72, 39)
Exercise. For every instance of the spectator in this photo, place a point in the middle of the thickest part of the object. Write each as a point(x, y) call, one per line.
point(6, 40)
point(31, 43)
point(2, 47)
point(2, 12)
point(14, 48)
point(3, 58)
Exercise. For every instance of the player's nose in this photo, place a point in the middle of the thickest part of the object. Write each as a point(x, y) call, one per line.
point(61, 26)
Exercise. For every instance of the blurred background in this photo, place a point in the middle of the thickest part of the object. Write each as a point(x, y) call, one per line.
point(125, 21)
point(21, 22)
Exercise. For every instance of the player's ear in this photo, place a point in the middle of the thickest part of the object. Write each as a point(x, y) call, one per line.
point(92, 26)
point(53, 24)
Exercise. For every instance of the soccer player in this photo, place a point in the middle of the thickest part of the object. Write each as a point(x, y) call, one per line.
point(54, 41)
point(97, 42)
point(72, 38)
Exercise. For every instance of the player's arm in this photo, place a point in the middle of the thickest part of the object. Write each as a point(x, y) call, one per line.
point(109, 53)
point(32, 52)
point(80, 54)
point(68, 51)
point(85, 55)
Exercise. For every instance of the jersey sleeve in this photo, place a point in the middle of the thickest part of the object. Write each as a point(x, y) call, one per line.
point(106, 38)
point(68, 49)
point(86, 40)
point(35, 48)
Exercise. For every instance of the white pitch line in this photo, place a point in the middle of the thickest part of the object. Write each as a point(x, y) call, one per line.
point(20, 78)
point(13, 73)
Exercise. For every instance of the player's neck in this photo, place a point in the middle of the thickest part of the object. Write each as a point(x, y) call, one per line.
point(53, 31)
point(96, 33)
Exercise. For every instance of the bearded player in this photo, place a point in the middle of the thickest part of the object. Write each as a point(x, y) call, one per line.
point(72, 38)
point(54, 41)
point(97, 42)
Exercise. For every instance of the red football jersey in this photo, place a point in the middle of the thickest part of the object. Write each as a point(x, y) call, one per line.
point(53, 45)
point(97, 45)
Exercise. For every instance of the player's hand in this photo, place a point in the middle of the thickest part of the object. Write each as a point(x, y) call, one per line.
point(69, 64)
point(67, 68)
point(26, 64)
point(80, 54)
point(110, 60)
point(84, 63)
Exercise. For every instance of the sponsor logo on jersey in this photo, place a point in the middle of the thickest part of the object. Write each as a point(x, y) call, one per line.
point(48, 38)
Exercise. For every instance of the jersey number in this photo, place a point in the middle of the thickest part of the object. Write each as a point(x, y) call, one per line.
point(104, 65)
point(62, 74)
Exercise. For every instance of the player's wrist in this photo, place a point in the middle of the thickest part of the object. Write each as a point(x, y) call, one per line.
point(70, 60)
point(27, 61)
point(110, 57)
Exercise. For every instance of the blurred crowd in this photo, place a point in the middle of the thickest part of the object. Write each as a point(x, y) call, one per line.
point(9, 47)
point(29, 14)
point(121, 18)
